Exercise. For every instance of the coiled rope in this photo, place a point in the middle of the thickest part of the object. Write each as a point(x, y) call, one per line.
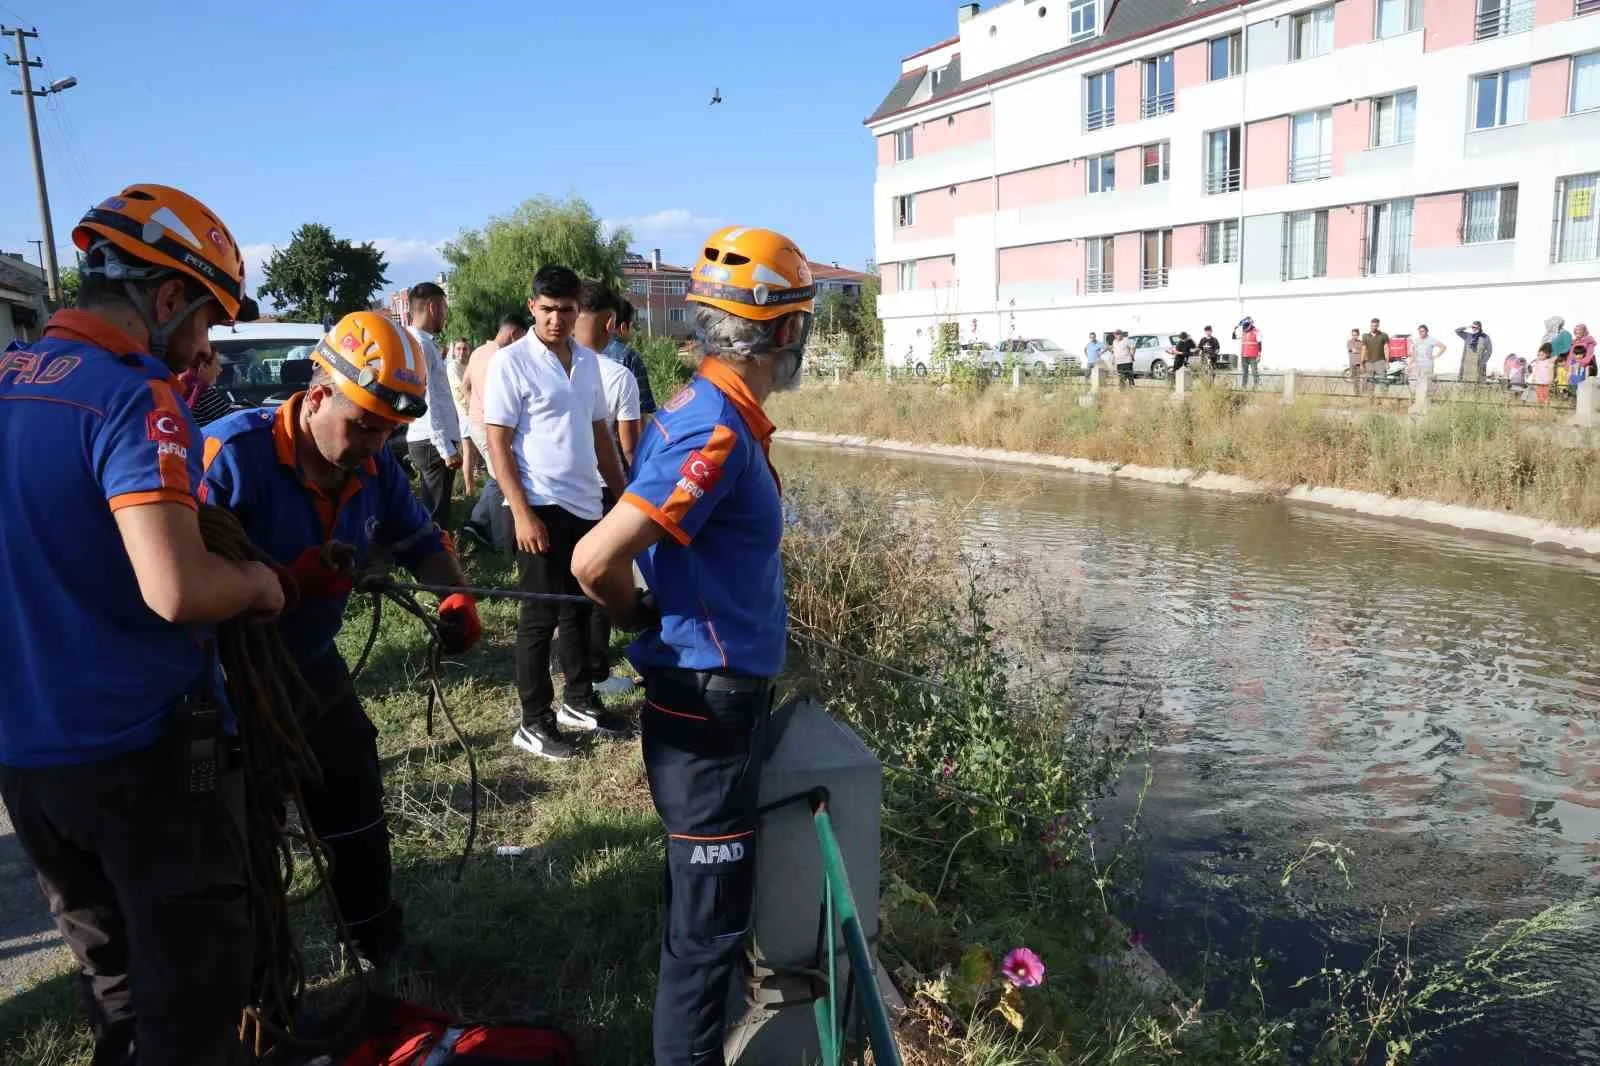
point(272, 705)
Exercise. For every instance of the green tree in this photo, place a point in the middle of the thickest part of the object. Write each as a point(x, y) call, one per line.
point(320, 277)
point(70, 284)
point(491, 268)
point(852, 322)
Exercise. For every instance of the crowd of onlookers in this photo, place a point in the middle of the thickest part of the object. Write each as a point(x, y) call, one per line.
point(1563, 358)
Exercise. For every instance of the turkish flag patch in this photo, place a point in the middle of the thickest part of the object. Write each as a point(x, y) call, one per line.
point(701, 471)
point(167, 427)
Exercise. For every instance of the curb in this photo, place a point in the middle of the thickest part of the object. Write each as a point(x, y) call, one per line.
point(1454, 518)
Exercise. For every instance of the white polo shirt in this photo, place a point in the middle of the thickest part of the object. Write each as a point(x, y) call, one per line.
point(552, 416)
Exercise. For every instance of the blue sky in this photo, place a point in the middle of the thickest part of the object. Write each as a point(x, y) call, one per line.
point(404, 123)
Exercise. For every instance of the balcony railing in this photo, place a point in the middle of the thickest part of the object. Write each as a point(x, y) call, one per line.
point(1515, 17)
point(1153, 278)
point(1220, 181)
point(1391, 261)
point(1586, 7)
point(1098, 281)
point(1099, 118)
point(1311, 168)
point(1159, 104)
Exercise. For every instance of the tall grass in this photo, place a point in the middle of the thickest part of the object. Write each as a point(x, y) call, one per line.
point(1474, 454)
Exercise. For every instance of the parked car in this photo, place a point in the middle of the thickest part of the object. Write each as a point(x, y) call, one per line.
point(264, 363)
point(966, 354)
point(1152, 359)
point(1035, 354)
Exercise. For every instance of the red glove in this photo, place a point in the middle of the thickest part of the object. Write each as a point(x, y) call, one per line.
point(322, 572)
point(459, 628)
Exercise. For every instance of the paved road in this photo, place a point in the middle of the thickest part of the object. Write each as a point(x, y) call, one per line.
point(29, 947)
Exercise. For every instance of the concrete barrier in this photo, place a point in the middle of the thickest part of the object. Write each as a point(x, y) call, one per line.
point(1588, 400)
point(1288, 387)
point(1097, 375)
point(1180, 385)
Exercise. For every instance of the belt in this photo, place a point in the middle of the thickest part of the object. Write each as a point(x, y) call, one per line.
point(714, 680)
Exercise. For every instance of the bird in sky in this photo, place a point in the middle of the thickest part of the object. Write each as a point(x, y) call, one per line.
point(716, 97)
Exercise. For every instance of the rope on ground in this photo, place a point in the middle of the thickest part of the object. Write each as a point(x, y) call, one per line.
point(271, 704)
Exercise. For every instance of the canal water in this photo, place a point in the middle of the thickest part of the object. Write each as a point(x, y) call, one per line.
point(1429, 701)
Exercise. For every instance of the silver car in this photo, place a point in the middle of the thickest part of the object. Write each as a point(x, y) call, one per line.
point(1151, 357)
point(1035, 355)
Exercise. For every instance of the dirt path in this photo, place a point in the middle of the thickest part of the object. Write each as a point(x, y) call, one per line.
point(30, 950)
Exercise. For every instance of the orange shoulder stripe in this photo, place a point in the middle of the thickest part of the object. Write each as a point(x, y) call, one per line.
point(174, 467)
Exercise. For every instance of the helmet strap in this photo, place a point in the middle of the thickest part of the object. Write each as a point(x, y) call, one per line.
point(160, 335)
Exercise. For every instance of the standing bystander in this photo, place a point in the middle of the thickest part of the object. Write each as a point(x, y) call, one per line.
point(1543, 372)
point(1210, 351)
point(489, 524)
point(1375, 353)
point(1355, 354)
point(620, 350)
point(545, 414)
point(456, 368)
point(1123, 349)
point(1249, 338)
point(1092, 352)
point(433, 441)
point(1476, 348)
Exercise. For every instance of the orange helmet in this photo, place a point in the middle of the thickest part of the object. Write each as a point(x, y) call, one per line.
point(377, 365)
point(169, 230)
point(753, 273)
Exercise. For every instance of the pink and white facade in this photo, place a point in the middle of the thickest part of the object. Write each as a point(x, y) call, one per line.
point(1063, 166)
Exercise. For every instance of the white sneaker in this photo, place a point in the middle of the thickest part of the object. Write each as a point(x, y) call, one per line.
point(616, 685)
point(544, 741)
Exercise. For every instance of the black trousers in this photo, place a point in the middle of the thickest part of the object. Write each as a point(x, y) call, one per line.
point(703, 738)
point(436, 480)
point(345, 810)
point(536, 622)
point(146, 882)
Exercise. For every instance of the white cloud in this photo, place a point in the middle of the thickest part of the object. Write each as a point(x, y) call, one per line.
point(666, 226)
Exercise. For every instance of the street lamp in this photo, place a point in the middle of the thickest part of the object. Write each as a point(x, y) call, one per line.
point(60, 85)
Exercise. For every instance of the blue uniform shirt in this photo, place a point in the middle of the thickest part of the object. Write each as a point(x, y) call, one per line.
point(702, 473)
point(251, 469)
point(88, 425)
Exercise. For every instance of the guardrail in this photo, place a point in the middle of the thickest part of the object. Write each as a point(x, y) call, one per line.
point(1220, 181)
point(841, 918)
point(1507, 18)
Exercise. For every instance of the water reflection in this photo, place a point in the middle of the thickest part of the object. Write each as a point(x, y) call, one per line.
point(1430, 698)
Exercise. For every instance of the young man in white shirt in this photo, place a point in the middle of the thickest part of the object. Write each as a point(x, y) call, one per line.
point(545, 414)
point(433, 441)
point(598, 309)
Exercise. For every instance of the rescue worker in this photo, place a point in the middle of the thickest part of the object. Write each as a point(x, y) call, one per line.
point(1249, 338)
point(316, 489)
point(704, 509)
point(115, 762)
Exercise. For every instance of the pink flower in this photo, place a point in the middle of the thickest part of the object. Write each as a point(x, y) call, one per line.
point(1023, 968)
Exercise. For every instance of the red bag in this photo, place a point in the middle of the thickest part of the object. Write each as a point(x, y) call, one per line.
point(416, 1036)
point(1399, 349)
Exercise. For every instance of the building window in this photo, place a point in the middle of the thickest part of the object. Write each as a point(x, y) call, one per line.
point(1311, 33)
point(1398, 16)
point(1489, 215)
point(1222, 56)
point(677, 287)
point(905, 211)
point(1496, 18)
point(1586, 7)
point(1311, 145)
point(904, 146)
point(1099, 267)
point(1099, 100)
point(1222, 242)
point(639, 287)
point(1103, 172)
point(1500, 99)
point(1085, 19)
point(1158, 86)
point(1394, 119)
point(1577, 235)
point(1305, 245)
point(1389, 238)
point(907, 279)
point(1157, 162)
point(1585, 83)
point(1155, 258)
point(677, 314)
point(1222, 160)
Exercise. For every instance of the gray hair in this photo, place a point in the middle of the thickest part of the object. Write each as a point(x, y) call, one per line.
point(729, 337)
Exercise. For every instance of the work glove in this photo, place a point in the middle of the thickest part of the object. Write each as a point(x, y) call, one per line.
point(325, 571)
point(646, 614)
point(459, 628)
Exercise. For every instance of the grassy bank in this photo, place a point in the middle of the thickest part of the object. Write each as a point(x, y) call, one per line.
point(992, 840)
point(1473, 454)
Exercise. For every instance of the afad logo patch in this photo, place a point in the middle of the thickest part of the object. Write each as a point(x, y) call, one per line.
point(699, 474)
point(680, 399)
point(711, 854)
point(169, 431)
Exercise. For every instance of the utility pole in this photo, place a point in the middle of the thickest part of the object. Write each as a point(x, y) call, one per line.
point(52, 273)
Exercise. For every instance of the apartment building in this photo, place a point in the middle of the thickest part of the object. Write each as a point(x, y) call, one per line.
point(658, 293)
point(1061, 166)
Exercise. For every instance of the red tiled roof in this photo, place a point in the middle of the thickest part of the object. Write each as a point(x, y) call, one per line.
point(825, 271)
